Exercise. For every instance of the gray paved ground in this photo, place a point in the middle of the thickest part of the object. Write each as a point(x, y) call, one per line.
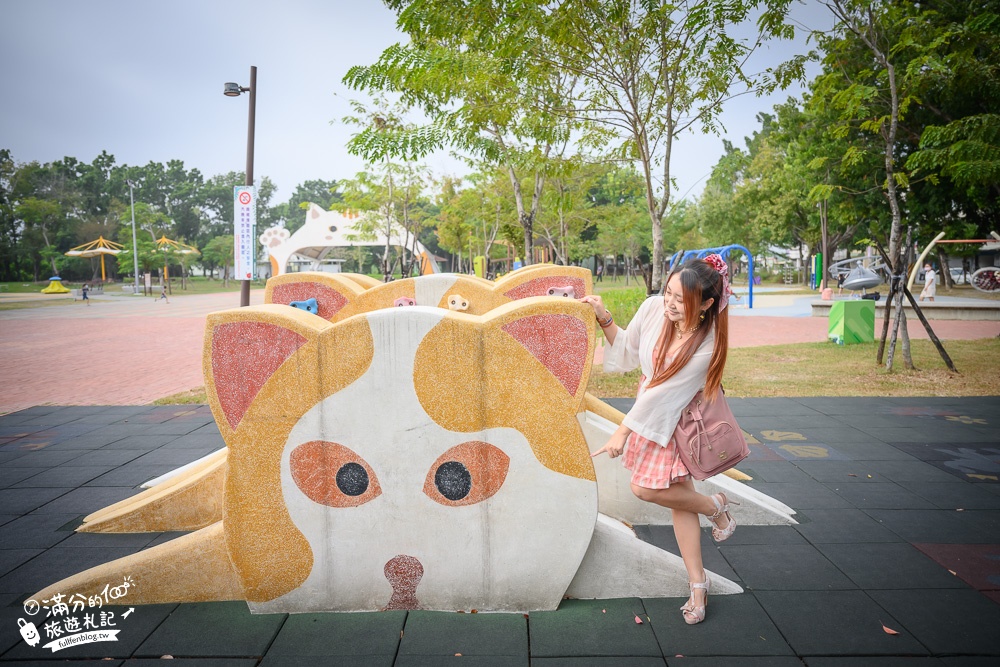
point(898, 499)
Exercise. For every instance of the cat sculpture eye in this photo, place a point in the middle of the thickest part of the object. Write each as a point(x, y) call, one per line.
point(467, 474)
point(331, 474)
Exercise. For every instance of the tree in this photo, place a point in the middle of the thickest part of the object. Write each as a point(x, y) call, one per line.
point(11, 259)
point(654, 70)
point(220, 252)
point(149, 258)
point(470, 68)
point(41, 219)
point(322, 193)
point(865, 79)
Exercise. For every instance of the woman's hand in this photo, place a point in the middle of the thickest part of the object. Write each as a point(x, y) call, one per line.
point(597, 304)
point(616, 445)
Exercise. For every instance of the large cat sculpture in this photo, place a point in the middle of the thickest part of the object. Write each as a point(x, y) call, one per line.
point(191, 497)
point(400, 459)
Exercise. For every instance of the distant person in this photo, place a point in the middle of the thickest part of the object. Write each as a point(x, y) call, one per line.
point(84, 291)
point(840, 284)
point(600, 273)
point(930, 283)
point(163, 294)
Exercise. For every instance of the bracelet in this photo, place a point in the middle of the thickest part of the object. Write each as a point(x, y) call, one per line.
point(606, 323)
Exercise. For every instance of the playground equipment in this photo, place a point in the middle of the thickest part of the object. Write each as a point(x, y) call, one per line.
point(189, 497)
point(475, 490)
point(100, 247)
point(988, 279)
point(682, 256)
point(325, 230)
point(55, 286)
point(859, 273)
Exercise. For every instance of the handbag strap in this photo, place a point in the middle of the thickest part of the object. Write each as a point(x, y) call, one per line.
point(694, 410)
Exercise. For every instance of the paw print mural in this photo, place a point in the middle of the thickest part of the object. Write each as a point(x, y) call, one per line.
point(273, 237)
point(965, 419)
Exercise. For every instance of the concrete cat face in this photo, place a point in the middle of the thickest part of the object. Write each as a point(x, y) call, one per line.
point(409, 458)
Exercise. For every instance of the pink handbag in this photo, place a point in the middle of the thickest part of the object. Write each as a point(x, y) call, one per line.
point(709, 440)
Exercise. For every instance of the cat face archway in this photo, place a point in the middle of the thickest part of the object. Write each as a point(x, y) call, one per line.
point(326, 230)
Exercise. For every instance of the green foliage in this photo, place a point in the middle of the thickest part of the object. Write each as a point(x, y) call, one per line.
point(624, 303)
point(220, 252)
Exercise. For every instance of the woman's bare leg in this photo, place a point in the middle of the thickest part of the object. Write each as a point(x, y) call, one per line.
point(685, 504)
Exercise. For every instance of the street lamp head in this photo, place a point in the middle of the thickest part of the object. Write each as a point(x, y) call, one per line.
point(129, 182)
point(231, 89)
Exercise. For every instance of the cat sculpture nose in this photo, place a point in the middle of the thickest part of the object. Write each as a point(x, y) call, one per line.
point(404, 573)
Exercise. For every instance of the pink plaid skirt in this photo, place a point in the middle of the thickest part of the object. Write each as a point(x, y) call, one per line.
point(653, 466)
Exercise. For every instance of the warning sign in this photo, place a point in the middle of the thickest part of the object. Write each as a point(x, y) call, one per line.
point(245, 230)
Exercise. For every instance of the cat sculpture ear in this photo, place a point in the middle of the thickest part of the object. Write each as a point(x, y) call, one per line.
point(331, 291)
point(533, 362)
point(538, 280)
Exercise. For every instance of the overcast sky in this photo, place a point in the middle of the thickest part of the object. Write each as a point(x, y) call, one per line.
point(143, 81)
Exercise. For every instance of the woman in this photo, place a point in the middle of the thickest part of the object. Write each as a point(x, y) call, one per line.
point(930, 283)
point(680, 342)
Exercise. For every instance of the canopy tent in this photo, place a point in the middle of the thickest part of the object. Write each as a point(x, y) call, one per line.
point(101, 247)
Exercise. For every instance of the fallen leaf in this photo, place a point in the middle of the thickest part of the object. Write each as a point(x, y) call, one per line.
point(851, 474)
point(960, 510)
point(638, 620)
point(953, 573)
point(475, 611)
point(869, 476)
point(889, 631)
point(458, 655)
point(604, 611)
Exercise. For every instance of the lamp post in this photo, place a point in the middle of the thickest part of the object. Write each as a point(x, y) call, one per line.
point(135, 246)
point(235, 90)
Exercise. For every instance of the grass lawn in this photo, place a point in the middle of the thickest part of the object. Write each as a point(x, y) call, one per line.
point(825, 369)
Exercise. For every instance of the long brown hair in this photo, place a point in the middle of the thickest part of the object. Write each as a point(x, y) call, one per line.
point(700, 282)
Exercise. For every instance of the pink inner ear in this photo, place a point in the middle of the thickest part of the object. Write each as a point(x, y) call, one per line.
point(328, 300)
point(558, 341)
point(244, 356)
point(540, 287)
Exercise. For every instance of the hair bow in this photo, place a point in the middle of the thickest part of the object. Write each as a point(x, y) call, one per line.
point(716, 262)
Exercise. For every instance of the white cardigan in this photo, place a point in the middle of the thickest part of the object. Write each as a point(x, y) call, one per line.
point(656, 411)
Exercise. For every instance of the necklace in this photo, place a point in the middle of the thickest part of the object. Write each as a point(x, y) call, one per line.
point(683, 332)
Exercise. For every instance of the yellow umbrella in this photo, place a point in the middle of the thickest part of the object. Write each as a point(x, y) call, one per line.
point(163, 243)
point(101, 247)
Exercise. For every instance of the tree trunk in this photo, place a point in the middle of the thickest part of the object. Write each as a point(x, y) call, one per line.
point(825, 264)
point(946, 279)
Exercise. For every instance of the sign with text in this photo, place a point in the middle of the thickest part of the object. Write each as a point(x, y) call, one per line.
point(245, 230)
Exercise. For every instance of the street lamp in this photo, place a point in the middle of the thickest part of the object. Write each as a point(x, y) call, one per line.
point(235, 90)
point(135, 247)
